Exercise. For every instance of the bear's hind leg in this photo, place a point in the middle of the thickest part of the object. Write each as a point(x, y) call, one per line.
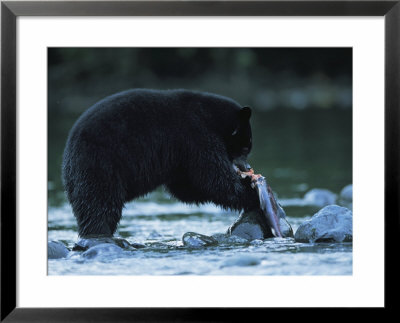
point(96, 202)
point(97, 218)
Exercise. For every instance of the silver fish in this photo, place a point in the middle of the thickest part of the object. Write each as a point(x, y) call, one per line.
point(267, 221)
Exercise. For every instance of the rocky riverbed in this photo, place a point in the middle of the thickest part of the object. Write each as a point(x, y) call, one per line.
point(157, 236)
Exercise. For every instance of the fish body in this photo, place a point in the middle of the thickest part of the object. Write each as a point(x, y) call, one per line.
point(266, 222)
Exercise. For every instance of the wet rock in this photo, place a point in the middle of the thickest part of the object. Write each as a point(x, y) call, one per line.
point(257, 242)
point(241, 260)
point(86, 243)
point(250, 226)
point(197, 240)
point(253, 226)
point(346, 197)
point(56, 250)
point(137, 245)
point(103, 249)
point(229, 239)
point(333, 223)
point(320, 197)
point(269, 220)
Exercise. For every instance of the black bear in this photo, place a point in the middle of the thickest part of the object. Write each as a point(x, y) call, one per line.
point(130, 143)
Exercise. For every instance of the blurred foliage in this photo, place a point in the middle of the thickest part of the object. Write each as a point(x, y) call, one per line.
point(301, 97)
point(263, 78)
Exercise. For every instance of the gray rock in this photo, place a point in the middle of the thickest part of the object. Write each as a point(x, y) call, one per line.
point(346, 197)
point(87, 243)
point(268, 221)
point(320, 197)
point(197, 240)
point(250, 226)
point(333, 223)
point(103, 249)
point(56, 250)
point(253, 225)
point(226, 239)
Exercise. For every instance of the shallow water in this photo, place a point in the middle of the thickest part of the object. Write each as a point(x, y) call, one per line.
point(159, 224)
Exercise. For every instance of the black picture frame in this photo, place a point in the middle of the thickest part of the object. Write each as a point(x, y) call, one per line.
point(10, 10)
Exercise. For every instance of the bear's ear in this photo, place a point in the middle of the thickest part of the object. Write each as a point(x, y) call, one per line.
point(245, 113)
point(244, 116)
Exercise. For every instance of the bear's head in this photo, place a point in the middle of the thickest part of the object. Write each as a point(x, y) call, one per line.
point(240, 141)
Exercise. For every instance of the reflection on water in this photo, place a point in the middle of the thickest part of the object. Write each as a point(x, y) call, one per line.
point(295, 150)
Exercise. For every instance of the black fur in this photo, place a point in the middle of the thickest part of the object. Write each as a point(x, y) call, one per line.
point(130, 143)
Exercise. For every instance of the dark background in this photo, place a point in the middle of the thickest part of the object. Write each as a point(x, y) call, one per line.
point(301, 100)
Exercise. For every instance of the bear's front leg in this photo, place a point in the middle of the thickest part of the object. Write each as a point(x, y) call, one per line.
point(220, 183)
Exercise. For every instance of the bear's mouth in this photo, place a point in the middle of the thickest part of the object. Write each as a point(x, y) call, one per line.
point(241, 164)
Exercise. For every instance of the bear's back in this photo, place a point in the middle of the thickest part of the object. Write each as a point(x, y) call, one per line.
point(145, 110)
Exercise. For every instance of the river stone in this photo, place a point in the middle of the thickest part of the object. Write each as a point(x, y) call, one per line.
point(226, 239)
point(86, 243)
point(103, 249)
point(56, 250)
point(333, 223)
point(197, 240)
point(346, 197)
point(320, 197)
point(252, 225)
